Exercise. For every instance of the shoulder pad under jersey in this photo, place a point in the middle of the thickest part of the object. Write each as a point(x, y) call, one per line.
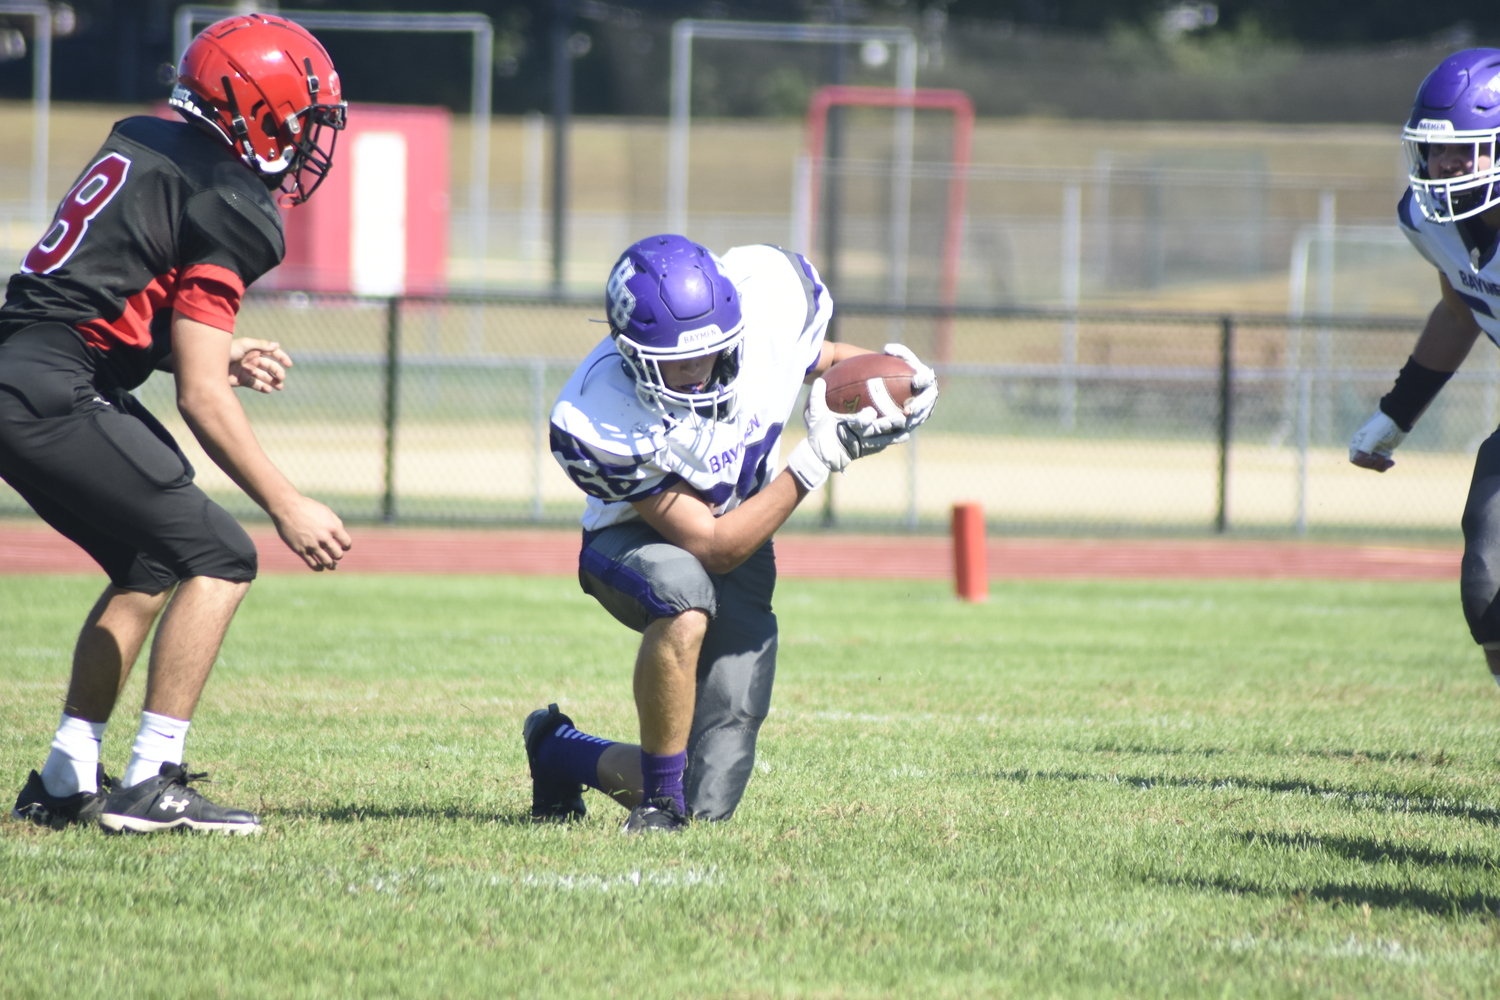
point(601, 435)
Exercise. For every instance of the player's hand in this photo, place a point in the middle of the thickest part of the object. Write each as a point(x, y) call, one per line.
point(314, 532)
point(868, 433)
point(257, 364)
point(833, 441)
point(924, 387)
point(1374, 442)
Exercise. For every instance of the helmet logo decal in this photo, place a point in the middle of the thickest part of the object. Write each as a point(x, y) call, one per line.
point(667, 302)
point(621, 299)
point(1435, 125)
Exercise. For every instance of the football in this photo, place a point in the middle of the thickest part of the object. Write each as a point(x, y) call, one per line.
point(858, 382)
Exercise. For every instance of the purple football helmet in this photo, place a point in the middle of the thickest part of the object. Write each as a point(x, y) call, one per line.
point(1458, 104)
point(668, 300)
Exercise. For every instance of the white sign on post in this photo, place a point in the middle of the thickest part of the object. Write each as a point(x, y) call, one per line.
point(377, 238)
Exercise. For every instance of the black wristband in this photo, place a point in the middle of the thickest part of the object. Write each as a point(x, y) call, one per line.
point(1415, 387)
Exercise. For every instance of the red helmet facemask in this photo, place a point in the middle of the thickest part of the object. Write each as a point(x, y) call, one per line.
point(266, 87)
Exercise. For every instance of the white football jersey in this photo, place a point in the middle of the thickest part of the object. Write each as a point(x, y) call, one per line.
point(1473, 274)
point(618, 451)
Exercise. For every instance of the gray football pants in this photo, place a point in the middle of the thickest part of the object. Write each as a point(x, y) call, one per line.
point(638, 576)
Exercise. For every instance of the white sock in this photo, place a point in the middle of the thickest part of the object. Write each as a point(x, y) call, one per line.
point(158, 742)
point(73, 764)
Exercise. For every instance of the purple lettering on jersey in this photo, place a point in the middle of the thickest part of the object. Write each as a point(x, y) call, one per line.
point(1479, 284)
point(752, 473)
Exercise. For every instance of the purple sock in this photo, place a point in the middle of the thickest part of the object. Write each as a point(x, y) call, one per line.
point(663, 776)
point(572, 755)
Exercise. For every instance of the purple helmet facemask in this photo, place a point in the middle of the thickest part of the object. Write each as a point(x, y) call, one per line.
point(668, 300)
point(1458, 104)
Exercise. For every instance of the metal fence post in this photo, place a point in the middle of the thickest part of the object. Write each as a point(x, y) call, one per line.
point(542, 431)
point(1323, 416)
point(1304, 420)
point(1226, 417)
point(392, 391)
point(1072, 284)
point(912, 482)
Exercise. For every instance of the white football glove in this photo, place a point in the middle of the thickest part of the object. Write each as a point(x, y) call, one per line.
point(834, 440)
point(923, 384)
point(1374, 442)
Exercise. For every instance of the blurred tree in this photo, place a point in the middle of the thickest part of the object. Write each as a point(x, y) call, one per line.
point(119, 50)
point(1311, 22)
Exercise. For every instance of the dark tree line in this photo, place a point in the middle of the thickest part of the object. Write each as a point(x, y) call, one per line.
point(119, 49)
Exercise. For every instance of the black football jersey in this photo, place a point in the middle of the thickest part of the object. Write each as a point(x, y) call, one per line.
point(165, 218)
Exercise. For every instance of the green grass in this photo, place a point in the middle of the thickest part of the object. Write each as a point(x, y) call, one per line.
point(1078, 789)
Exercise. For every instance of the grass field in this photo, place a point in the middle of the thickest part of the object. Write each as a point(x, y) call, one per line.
point(1090, 789)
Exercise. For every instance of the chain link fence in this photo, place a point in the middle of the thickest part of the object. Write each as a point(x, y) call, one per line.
point(435, 410)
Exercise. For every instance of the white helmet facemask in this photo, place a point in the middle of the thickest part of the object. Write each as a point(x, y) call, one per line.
point(1449, 199)
point(716, 399)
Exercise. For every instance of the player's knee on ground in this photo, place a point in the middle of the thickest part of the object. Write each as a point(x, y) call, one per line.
point(734, 696)
point(1480, 578)
point(639, 577)
point(736, 671)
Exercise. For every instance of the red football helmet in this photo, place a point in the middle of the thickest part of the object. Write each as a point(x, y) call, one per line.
point(267, 87)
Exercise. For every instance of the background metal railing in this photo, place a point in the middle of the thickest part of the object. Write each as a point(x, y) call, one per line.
point(435, 410)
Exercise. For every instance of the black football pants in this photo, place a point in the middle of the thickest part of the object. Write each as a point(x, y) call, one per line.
point(98, 467)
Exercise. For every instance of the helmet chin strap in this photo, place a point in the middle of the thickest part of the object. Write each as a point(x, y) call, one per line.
point(237, 122)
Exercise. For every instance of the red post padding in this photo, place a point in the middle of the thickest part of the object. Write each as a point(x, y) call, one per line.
point(970, 575)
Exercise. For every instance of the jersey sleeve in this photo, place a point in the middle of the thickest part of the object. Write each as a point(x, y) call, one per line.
point(819, 308)
point(1407, 223)
point(209, 294)
point(227, 243)
point(607, 476)
point(801, 306)
point(607, 446)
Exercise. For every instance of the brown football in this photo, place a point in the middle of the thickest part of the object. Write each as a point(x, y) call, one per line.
point(849, 381)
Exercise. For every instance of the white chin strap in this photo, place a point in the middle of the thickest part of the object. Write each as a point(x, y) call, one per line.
point(280, 165)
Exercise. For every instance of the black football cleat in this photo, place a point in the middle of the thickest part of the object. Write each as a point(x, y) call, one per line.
point(552, 800)
point(656, 814)
point(36, 805)
point(168, 802)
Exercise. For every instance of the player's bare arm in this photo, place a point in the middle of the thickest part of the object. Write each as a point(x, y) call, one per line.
point(206, 400)
point(1446, 339)
point(253, 364)
point(685, 519)
point(1449, 334)
point(834, 352)
point(721, 543)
